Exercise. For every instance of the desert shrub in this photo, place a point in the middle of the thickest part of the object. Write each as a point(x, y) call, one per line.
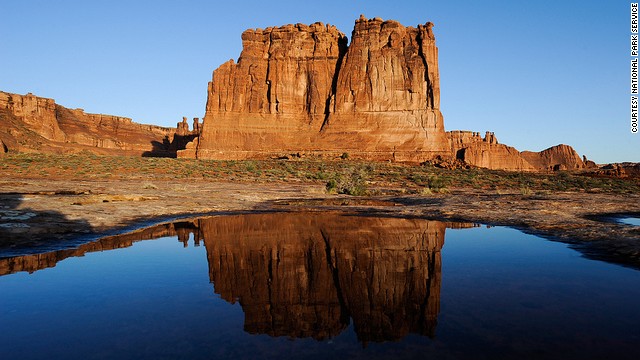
point(353, 181)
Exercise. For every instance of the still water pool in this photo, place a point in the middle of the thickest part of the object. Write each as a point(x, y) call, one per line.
point(318, 285)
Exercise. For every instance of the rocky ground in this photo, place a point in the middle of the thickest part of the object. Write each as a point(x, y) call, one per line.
point(38, 215)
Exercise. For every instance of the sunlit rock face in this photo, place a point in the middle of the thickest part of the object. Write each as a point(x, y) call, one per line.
point(301, 88)
point(486, 152)
point(33, 123)
point(304, 89)
point(559, 157)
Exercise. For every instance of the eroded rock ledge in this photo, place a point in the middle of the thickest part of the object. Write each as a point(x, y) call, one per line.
point(31, 123)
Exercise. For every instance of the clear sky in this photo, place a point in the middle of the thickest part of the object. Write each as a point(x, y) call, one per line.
point(537, 73)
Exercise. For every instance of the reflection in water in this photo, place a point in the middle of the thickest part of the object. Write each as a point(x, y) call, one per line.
point(305, 275)
point(37, 262)
point(634, 221)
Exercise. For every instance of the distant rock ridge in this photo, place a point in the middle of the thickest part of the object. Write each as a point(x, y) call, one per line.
point(33, 123)
point(303, 89)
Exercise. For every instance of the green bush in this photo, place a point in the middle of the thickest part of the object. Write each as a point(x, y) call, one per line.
point(352, 181)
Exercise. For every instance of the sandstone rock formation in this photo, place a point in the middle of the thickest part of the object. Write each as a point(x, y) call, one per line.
point(559, 157)
point(300, 88)
point(186, 140)
point(387, 99)
point(297, 89)
point(617, 170)
point(486, 152)
point(32, 123)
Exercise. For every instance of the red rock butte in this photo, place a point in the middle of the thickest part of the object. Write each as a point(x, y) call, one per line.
point(304, 89)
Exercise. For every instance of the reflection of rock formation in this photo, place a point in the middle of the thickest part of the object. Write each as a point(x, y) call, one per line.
point(308, 274)
point(37, 262)
point(304, 275)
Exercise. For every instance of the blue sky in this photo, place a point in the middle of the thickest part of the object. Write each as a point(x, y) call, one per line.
point(537, 73)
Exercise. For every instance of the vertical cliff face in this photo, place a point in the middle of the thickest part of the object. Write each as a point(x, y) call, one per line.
point(37, 113)
point(275, 98)
point(300, 88)
point(387, 101)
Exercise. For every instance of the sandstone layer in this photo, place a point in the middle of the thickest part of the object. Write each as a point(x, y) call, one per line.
point(301, 88)
point(32, 123)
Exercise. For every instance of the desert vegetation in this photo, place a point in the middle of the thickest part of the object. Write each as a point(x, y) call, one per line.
point(344, 176)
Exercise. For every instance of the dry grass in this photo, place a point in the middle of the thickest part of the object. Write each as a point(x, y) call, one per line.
point(343, 176)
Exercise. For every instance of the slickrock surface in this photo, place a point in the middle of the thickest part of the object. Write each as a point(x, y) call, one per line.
point(32, 123)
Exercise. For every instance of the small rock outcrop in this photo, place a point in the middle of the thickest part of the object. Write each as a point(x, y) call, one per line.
point(617, 170)
point(559, 157)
